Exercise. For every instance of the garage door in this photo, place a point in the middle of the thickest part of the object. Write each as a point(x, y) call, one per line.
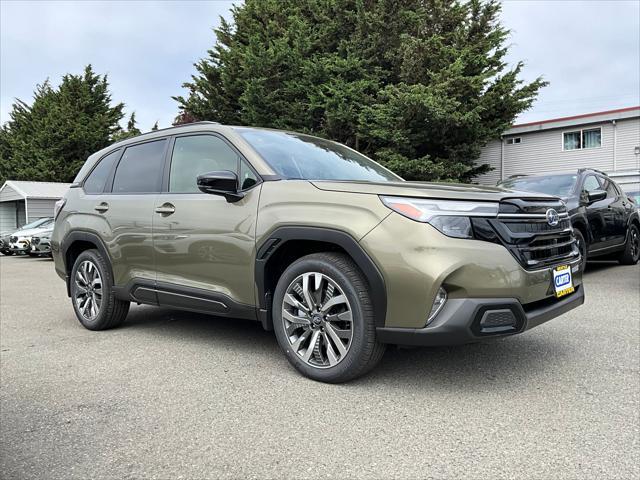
point(8, 213)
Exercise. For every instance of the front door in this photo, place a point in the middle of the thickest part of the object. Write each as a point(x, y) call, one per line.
point(204, 245)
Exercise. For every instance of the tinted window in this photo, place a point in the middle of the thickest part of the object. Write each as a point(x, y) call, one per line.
point(140, 169)
point(294, 155)
point(559, 185)
point(193, 156)
point(98, 177)
point(591, 184)
point(247, 178)
point(610, 187)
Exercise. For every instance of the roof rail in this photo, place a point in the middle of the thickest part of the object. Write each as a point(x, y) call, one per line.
point(170, 128)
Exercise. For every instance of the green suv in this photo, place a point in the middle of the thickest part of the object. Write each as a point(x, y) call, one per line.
point(334, 252)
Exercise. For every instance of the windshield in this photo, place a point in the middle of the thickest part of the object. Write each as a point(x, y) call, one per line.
point(41, 222)
point(558, 185)
point(297, 156)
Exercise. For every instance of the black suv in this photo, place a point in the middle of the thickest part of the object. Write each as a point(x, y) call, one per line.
point(605, 219)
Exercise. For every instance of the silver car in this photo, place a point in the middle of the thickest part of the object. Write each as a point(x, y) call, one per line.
point(41, 244)
point(20, 241)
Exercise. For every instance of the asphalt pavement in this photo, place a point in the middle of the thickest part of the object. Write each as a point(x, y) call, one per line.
point(179, 395)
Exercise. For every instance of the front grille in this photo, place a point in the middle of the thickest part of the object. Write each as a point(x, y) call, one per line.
point(13, 239)
point(536, 227)
point(522, 227)
point(35, 240)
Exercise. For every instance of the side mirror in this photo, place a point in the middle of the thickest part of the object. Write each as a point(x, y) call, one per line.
point(222, 182)
point(596, 196)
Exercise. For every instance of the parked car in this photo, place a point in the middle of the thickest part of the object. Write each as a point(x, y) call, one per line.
point(41, 244)
point(331, 250)
point(605, 218)
point(22, 232)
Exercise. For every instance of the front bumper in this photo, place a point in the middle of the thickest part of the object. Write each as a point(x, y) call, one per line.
point(20, 247)
point(461, 320)
point(416, 260)
point(41, 249)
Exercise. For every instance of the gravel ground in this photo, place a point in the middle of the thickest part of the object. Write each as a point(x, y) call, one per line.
point(178, 395)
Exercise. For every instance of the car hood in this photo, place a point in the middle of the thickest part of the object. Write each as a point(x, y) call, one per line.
point(44, 234)
point(30, 232)
point(452, 191)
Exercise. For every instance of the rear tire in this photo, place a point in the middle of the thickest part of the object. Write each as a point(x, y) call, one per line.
point(334, 341)
point(631, 253)
point(91, 286)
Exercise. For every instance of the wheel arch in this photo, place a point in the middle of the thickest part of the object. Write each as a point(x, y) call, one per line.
point(74, 244)
point(580, 223)
point(286, 244)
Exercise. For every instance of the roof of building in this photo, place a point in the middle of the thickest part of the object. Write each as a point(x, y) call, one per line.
point(585, 118)
point(37, 189)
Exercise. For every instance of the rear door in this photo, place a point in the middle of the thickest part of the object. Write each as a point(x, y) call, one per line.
point(616, 226)
point(204, 245)
point(127, 208)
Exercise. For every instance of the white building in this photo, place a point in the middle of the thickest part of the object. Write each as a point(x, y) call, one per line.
point(608, 141)
point(25, 202)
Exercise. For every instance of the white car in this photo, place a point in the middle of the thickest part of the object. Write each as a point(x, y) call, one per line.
point(20, 241)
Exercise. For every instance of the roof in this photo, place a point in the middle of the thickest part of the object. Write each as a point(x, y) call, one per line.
point(582, 119)
point(37, 189)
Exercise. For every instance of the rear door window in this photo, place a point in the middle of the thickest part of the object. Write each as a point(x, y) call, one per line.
point(140, 170)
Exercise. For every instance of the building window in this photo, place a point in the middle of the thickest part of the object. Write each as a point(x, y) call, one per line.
point(580, 139)
point(592, 138)
point(512, 140)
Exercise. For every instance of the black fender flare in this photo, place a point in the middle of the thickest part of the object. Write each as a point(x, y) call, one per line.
point(279, 238)
point(82, 236)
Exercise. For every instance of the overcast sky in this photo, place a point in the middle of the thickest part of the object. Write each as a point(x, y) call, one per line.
point(588, 50)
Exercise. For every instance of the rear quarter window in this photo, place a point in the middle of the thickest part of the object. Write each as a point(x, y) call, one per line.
point(97, 179)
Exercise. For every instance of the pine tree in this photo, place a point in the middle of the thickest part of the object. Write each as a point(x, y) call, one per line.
point(50, 139)
point(419, 85)
point(155, 126)
point(131, 131)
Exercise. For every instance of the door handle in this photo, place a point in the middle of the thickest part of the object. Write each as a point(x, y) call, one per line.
point(101, 207)
point(165, 209)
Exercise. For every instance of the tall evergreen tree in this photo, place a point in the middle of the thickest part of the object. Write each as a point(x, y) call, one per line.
point(419, 85)
point(50, 139)
point(132, 129)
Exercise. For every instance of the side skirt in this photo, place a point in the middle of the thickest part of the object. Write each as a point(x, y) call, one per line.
point(184, 298)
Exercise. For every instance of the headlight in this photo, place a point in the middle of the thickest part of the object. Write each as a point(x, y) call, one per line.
point(450, 217)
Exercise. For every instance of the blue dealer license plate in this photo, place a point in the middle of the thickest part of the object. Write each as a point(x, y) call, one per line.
point(562, 281)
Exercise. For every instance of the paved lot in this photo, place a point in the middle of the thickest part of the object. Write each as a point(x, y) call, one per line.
point(178, 395)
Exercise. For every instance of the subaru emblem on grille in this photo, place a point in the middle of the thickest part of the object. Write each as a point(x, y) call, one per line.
point(552, 217)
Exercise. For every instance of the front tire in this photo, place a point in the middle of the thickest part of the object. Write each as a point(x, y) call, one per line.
point(94, 302)
point(323, 318)
point(631, 253)
point(582, 247)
